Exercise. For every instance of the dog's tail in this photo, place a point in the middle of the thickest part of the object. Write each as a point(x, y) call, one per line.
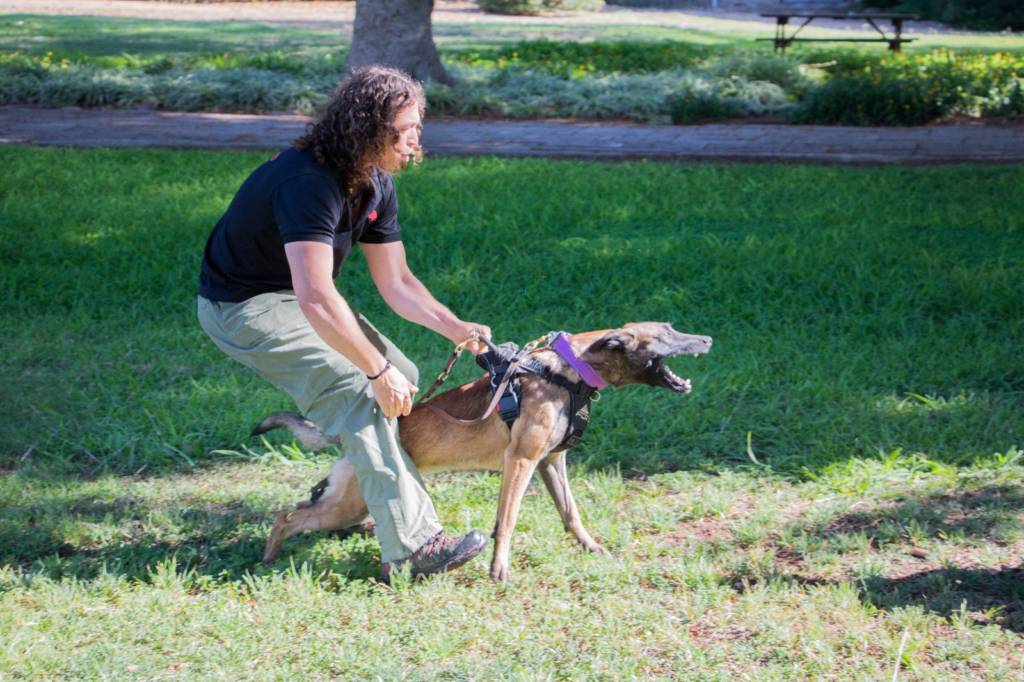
point(308, 433)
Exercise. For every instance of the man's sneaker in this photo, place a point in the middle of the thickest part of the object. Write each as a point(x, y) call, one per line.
point(439, 554)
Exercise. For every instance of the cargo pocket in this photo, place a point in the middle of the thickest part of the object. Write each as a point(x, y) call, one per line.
point(402, 548)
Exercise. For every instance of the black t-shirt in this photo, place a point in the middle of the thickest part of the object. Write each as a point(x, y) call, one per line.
point(291, 198)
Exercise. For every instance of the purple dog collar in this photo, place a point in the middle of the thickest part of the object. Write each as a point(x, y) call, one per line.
point(560, 344)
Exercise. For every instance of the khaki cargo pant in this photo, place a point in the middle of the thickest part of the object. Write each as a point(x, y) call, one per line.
point(270, 334)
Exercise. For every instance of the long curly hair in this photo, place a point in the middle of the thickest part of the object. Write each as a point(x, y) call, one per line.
point(356, 128)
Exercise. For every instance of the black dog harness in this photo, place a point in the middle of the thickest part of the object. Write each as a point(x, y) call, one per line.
point(499, 360)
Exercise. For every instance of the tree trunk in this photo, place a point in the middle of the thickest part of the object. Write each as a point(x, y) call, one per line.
point(397, 33)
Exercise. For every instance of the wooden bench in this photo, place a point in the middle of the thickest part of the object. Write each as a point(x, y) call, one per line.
point(782, 17)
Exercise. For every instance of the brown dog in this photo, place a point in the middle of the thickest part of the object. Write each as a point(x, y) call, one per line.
point(444, 434)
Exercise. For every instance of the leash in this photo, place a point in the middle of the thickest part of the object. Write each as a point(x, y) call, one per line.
point(446, 372)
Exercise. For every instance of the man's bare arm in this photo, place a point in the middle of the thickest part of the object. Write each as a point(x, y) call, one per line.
point(333, 320)
point(408, 297)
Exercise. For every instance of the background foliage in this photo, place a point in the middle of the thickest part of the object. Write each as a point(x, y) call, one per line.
point(986, 15)
point(534, 7)
point(121, 63)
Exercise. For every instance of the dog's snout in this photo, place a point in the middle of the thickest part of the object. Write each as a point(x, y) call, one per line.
point(706, 340)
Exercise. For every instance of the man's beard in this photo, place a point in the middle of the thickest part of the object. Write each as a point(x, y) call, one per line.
point(395, 162)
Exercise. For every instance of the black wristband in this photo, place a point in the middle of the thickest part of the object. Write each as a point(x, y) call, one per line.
point(387, 366)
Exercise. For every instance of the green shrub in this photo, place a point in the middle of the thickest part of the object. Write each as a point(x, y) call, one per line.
point(482, 91)
point(903, 89)
point(527, 7)
point(577, 5)
point(694, 107)
point(535, 7)
point(1008, 101)
point(579, 60)
point(23, 81)
point(640, 97)
point(864, 101)
point(703, 99)
point(755, 66)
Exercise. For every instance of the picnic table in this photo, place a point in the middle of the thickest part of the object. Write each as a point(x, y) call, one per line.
point(782, 17)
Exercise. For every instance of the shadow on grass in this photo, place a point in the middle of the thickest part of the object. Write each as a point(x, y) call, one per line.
point(979, 593)
point(130, 536)
point(990, 594)
point(996, 594)
point(983, 595)
point(985, 512)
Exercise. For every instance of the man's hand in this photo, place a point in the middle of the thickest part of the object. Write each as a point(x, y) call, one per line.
point(473, 331)
point(393, 393)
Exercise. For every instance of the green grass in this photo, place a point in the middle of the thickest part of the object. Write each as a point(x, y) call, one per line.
point(856, 311)
point(843, 476)
point(114, 36)
point(109, 36)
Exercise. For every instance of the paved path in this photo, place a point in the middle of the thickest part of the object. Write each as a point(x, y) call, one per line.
point(75, 127)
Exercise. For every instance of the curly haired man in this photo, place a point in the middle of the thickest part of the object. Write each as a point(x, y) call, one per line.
point(267, 299)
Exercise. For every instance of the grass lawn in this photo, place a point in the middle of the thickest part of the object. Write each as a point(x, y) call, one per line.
point(114, 36)
point(840, 495)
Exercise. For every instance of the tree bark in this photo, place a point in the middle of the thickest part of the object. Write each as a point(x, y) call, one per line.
point(397, 33)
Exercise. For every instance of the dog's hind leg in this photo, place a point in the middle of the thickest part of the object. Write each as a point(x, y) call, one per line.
point(556, 479)
point(340, 505)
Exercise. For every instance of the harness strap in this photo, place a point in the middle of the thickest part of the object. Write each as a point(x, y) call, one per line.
point(580, 395)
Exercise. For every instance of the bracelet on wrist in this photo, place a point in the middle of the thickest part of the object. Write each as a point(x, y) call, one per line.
point(387, 366)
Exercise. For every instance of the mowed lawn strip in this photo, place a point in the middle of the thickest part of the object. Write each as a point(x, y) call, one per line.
point(854, 311)
point(95, 35)
point(840, 492)
point(711, 576)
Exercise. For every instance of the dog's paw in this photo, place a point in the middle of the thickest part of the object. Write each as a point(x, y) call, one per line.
point(499, 573)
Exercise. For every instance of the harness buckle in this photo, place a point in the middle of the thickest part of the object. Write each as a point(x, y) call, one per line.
point(508, 406)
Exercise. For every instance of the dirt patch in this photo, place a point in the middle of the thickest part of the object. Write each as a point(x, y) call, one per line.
point(711, 528)
point(703, 634)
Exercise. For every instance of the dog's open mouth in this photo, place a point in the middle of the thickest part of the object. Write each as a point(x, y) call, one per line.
point(670, 379)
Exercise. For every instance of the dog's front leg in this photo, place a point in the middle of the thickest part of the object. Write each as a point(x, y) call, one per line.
point(556, 479)
point(516, 476)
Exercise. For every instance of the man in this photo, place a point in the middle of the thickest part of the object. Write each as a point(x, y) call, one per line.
point(267, 299)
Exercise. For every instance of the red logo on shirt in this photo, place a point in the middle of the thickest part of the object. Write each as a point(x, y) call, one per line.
point(372, 216)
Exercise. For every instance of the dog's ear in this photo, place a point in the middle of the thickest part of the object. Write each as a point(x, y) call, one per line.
point(615, 339)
